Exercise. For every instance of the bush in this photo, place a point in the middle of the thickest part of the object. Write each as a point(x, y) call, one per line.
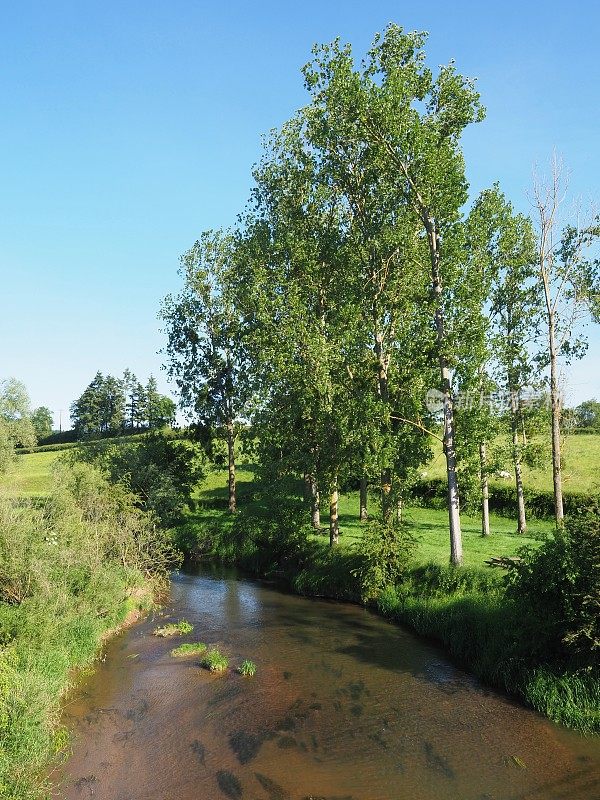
point(161, 471)
point(247, 668)
point(384, 551)
point(559, 585)
point(503, 500)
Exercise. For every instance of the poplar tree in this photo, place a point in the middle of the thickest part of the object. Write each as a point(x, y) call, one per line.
point(204, 343)
point(415, 121)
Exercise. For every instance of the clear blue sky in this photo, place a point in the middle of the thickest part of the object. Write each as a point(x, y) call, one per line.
point(129, 127)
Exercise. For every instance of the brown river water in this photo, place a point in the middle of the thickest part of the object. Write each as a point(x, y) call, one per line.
point(344, 706)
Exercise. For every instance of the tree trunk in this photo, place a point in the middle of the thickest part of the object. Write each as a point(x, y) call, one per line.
point(315, 511)
point(516, 454)
point(448, 403)
point(363, 514)
point(334, 522)
point(383, 390)
point(231, 466)
point(485, 491)
point(555, 407)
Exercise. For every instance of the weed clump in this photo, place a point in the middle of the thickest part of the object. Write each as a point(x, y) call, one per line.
point(173, 629)
point(247, 668)
point(214, 661)
point(188, 649)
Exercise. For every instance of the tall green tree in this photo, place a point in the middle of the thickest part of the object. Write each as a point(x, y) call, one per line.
point(415, 121)
point(16, 428)
point(204, 350)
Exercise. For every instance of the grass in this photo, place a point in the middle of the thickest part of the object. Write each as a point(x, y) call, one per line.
point(580, 454)
point(215, 661)
point(247, 668)
point(173, 629)
point(429, 526)
point(193, 649)
point(30, 476)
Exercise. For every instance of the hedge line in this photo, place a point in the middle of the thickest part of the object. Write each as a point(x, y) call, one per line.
point(503, 499)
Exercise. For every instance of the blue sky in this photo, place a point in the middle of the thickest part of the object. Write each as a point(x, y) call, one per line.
point(129, 127)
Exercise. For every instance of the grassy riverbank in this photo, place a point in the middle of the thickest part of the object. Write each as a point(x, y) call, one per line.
point(467, 609)
point(72, 568)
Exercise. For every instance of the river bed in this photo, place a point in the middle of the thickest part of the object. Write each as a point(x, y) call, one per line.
point(344, 706)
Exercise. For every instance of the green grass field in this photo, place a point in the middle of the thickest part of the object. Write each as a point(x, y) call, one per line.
point(430, 526)
point(581, 467)
point(30, 475)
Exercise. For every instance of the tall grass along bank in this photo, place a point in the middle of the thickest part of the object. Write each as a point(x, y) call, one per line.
point(73, 566)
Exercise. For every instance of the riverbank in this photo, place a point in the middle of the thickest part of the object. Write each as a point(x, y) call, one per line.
point(73, 572)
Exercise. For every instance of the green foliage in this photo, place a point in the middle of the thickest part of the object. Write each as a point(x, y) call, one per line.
point(437, 580)
point(42, 421)
point(195, 648)
point(247, 668)
point(385, 552)
point(173, 629)
point(16, 429)
point(215, 661)
point(71, 567)
point(269, 535)
point(587, 416)
point(559, 585)
point(160, 471)
point(539, 502)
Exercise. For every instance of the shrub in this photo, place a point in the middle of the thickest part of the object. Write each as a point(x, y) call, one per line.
point(559, 585)
point(159, 470)
point(385, 550)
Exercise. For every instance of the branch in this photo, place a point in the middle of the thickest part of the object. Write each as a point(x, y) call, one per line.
point(417, 425)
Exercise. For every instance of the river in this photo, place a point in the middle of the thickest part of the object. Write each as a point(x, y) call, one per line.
point(344, 706)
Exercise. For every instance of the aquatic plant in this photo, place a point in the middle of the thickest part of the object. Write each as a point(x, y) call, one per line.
point(191, 649)
point(214, 661)
point(174, 629)
point(247, 668)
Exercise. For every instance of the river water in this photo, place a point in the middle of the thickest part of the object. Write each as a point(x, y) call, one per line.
point(344, 705)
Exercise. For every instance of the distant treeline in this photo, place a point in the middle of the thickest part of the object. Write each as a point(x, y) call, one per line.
point(110, 406)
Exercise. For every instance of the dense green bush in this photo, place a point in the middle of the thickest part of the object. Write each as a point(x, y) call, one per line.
point(161, 471)
point(503, 500)
point(384, 551)
point(559, 586)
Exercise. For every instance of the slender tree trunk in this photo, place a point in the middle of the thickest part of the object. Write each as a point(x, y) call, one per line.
point(383, 389)
point(363, 515)
point(485, 491)
point(516, 454)
point(231, 466)
point(399, 509)
point(334, 521)
point(315, 510)
point(449, 446)
point(555, 408)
